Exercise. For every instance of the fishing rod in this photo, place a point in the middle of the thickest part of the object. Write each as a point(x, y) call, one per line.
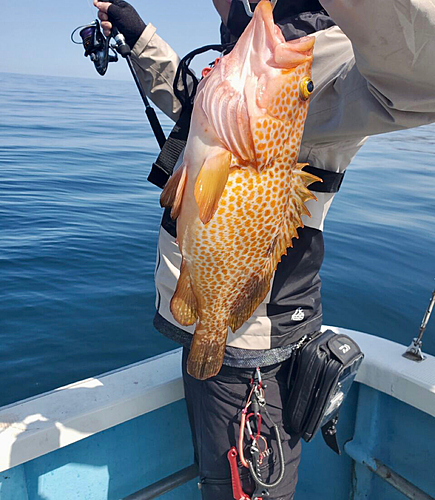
point(101, 52)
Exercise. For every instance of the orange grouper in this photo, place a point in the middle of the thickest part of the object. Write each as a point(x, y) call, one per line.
point(239, 194)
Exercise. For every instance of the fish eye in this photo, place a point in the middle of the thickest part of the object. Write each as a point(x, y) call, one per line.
point(306, 88)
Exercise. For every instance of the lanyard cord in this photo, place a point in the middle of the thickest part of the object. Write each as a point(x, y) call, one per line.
point(254, 474)
point(257, 401)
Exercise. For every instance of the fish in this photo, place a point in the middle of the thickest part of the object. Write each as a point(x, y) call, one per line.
point(239, 194)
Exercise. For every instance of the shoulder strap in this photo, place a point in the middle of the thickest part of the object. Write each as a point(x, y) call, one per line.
point(163, 167)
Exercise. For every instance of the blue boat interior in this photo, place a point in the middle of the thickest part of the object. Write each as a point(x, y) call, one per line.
point(379, 433)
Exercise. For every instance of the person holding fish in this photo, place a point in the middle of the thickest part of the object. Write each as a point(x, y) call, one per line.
point(274, 126)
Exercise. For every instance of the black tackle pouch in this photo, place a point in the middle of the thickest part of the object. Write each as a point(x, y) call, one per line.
point(321, 373)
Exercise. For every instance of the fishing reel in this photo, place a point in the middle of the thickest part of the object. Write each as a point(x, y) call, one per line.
point(98, 47)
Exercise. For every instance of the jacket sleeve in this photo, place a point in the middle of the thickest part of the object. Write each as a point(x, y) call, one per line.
point(389, 84)
point(156, 64)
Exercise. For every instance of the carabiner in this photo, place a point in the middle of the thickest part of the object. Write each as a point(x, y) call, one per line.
point(248, 426)
point(258, 375)
point(261, 397)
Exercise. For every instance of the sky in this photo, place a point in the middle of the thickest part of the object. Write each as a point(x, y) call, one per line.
point(38, 34)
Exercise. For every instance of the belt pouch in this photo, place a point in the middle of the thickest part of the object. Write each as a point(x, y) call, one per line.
point(320, 376)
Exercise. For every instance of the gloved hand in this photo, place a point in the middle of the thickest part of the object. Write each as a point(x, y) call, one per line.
point(123, 16)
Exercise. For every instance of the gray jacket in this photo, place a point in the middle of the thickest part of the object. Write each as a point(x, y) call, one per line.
point(373, 73)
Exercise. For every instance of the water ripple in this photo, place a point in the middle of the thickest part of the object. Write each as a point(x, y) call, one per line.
point(79, 226)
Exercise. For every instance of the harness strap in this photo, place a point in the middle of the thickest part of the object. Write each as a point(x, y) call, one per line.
point(163, 167)
point(331, 180)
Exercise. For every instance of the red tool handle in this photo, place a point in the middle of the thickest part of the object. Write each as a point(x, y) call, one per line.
point(238, 493)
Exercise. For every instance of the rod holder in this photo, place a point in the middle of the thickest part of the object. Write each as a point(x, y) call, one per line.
point(414, 351)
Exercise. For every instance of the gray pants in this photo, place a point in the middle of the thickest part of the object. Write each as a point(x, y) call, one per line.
point(214, 407)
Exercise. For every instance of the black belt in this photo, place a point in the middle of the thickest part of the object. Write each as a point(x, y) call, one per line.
point(164, 165)
point(331, 180)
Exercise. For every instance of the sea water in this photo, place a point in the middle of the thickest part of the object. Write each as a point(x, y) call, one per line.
point(79, 225)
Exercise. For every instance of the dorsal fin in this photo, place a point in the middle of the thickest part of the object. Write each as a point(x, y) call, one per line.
point(256, 289)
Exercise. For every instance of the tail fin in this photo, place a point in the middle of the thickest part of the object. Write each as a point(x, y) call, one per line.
point(206, 355)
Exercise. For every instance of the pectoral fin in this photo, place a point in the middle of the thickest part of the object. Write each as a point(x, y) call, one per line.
point(210, 184)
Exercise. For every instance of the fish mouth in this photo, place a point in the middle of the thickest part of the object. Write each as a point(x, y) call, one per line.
point(294, 53)
point(264, 13)
point(303, 44)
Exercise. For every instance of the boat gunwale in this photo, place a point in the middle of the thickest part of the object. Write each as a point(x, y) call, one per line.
point(65, 416)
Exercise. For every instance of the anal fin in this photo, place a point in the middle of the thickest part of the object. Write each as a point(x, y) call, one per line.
point(249, 298)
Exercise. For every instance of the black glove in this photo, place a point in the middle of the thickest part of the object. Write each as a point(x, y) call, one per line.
point(127, 20)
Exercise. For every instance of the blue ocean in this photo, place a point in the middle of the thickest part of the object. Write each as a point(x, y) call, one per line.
point(79, 225)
